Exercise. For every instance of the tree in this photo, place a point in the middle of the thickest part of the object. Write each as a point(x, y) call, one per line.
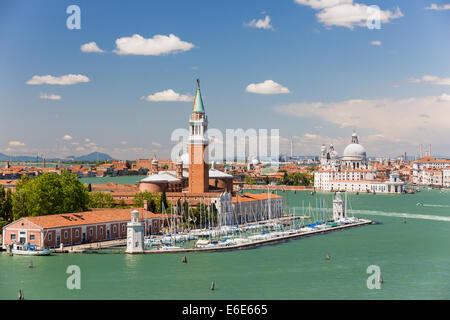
point(122, 204)
point(163, 202)
point(101, 200)
point(49, 194)
point(5, 206)
point(140, 197)
point(90, 187)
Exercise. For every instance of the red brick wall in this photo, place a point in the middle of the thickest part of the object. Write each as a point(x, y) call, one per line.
point(198, 170)
point(67, 241)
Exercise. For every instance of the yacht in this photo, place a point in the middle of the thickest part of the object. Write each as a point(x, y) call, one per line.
point(29, 250)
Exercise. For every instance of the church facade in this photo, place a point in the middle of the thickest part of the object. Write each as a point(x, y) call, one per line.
point(352, 172)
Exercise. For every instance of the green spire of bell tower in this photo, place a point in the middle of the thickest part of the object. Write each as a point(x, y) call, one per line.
point(198, 102)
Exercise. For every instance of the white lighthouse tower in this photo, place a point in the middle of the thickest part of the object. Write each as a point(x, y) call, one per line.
point(338, 207)
point(135, 234)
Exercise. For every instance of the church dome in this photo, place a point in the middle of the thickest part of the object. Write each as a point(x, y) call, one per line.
point(354, 151)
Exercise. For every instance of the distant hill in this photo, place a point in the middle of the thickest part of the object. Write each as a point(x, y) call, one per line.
point(94, 156)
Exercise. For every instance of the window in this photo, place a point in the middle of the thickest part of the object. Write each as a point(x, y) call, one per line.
point(91, 232)
point(77, 233)
point(101, 230)
point(49, 237)
point(114, 228)
point(66, 234)
point(13, 236)
point(31, 237)
point(123, 228)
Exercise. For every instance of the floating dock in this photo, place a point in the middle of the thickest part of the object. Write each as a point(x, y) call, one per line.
point(257, 243)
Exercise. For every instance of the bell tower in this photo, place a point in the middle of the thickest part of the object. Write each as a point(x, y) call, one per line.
point(198, 142)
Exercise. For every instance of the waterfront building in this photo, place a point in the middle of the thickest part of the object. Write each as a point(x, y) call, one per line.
point(50, 231)
point(352, 172)
point(429, 171)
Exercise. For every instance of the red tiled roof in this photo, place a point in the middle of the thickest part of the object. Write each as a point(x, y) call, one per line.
point(89, 217)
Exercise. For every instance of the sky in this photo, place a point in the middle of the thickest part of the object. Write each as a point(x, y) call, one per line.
point(314, 69)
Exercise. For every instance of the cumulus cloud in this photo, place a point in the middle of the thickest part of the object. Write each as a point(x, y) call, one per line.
point(431, 80)
point(67, 137)
point(90, 47)
point(50, 96)
point(376, 43)
point(267, 87)
point(398, 120)
point(436, 7)
point(345, 13)
point(168, 95)
point(260, 23)
point(67, 79)
point(158, 45)
point(16, 143)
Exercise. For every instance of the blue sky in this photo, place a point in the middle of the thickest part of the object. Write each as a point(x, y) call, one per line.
point(392, 85)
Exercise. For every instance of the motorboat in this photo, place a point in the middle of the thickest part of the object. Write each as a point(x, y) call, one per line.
point(29, 250)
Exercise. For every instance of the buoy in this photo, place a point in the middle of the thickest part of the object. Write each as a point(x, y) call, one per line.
point(21, 297)
point(380, 278)
point(328, 257)
point(184, 259)
point(404, 220)
point(212, 286)
point(31, 264)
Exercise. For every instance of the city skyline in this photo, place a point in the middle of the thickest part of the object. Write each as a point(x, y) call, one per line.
point(124, 81)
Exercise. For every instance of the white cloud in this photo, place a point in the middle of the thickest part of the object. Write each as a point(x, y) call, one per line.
point(376, 43)
point(267, 87)
point(444, 97)
point(67, 79)
point(15, 143)
point(168, 95)
point(87, 140)
point(80, 149)
point(67, 137)
point(432, 80)
point(50, 96)
point(434, 6)
point(158, 45)
point(321, 4)
point(90, 47)
point(345, 13)
point(124, 142)
point(260, 24)
point(399, 121)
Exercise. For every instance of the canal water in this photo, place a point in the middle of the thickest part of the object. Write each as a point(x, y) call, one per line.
point(414, 259)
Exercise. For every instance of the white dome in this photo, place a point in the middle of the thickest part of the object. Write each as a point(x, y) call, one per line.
point(354, 151)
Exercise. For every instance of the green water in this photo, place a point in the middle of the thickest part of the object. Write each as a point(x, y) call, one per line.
point(414, 258)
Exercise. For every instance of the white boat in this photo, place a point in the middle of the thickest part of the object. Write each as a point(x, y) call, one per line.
point(29, 250)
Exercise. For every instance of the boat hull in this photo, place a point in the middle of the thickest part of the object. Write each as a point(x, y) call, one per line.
point(31, 253)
